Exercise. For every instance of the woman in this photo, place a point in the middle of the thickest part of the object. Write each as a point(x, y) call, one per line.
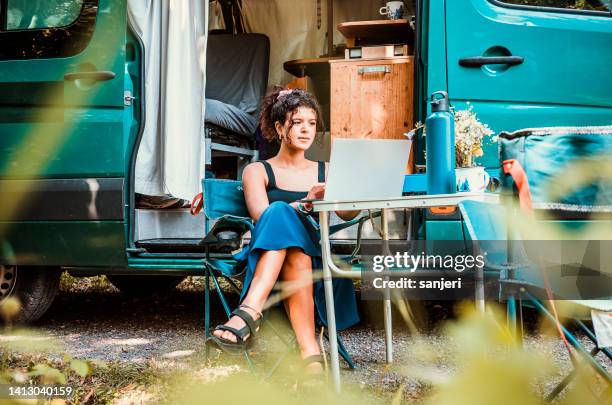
point(284, 244)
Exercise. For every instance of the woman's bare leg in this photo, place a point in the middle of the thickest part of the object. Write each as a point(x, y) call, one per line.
point(297, 268)
point(266, 273)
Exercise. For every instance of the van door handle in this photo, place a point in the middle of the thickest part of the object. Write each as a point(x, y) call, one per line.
point(478, 61)
point(96, 76)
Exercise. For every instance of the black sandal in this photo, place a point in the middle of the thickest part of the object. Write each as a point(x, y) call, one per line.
point(244, 336)
point(309, 379)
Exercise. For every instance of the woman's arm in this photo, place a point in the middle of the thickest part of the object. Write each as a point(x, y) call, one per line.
point(254, 184)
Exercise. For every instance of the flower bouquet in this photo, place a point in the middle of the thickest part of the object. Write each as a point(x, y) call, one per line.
point(469, 136)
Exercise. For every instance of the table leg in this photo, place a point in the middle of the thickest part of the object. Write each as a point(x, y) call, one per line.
point(329, 301)
point(206, 309)
point(480, 292)
point(387, 300)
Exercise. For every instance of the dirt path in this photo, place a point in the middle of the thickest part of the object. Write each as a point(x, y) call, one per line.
point(167, 331)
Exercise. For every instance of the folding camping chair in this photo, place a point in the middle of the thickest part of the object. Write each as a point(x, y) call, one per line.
point(224, 204)
point(522, 280)
point(520, 283)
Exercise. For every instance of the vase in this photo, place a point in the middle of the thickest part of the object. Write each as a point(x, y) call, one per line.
point(472, 179)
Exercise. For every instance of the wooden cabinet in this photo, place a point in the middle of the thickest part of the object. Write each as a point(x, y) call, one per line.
point(371, 98)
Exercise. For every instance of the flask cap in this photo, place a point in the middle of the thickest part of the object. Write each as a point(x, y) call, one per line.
point(439, 103)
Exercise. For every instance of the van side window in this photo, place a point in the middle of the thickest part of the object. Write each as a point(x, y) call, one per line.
point(578, 5)
point(32, 14)
point(42, 29)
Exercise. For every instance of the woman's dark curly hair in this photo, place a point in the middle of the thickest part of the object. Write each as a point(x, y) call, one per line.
point(280, 104)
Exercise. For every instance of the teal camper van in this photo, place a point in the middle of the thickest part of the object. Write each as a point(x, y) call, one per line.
point(71, 119)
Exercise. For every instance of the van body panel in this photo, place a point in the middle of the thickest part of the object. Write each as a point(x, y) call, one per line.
point(435, 50)
point(134, 118)
point(564, 78)
point(82, 199)
point(567, 57)
point(66, 128)
point(62, 123)
point(431, 62)
point(535, 115)
point(167, 265)
point(53, 150)
point(63, 243)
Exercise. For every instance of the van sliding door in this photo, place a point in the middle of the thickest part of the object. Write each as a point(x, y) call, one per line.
point(528, 66)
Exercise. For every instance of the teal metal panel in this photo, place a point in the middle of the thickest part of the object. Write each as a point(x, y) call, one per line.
point(160, 263)
point(52, 127)
point(504, 116)
point(431, 75)
point(133, 119)
point(444, 230)
point(90, 147)
point(63, 243)
point(564, 79)
point(435, 50)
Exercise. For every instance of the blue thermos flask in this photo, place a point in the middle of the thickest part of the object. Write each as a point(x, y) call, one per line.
point(440, 146)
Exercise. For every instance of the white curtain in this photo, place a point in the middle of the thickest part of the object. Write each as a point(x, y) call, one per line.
point(170, 158)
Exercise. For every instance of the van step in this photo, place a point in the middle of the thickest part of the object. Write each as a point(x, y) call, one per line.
point(190, 245)
point(171, 245)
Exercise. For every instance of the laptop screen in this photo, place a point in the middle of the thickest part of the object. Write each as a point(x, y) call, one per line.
point(366, 169)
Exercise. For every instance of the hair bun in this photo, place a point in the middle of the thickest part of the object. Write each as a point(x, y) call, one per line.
point(284, 93)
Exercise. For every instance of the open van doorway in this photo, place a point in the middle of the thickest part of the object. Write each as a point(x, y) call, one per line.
point(252, 45)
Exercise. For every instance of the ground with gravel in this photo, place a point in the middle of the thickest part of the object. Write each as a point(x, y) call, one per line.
point(165, 333)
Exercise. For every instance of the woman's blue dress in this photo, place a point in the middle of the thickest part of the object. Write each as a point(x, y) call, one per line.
point(280, 226)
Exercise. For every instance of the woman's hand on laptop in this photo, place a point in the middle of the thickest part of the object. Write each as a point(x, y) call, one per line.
point(316, 193)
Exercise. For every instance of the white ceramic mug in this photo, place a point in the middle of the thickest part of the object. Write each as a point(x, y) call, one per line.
point(472, 179)
point(394, 10)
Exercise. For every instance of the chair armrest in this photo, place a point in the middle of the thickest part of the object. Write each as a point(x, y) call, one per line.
point(231, 223)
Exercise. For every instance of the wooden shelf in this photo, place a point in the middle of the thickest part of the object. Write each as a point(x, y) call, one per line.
point(312, 67)
point(377, 31)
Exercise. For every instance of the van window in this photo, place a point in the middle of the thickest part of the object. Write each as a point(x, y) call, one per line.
point(32, 14)
point(583, 5)
point(42, 29)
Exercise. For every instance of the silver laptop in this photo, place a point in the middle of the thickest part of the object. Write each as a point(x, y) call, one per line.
point(366, 169)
